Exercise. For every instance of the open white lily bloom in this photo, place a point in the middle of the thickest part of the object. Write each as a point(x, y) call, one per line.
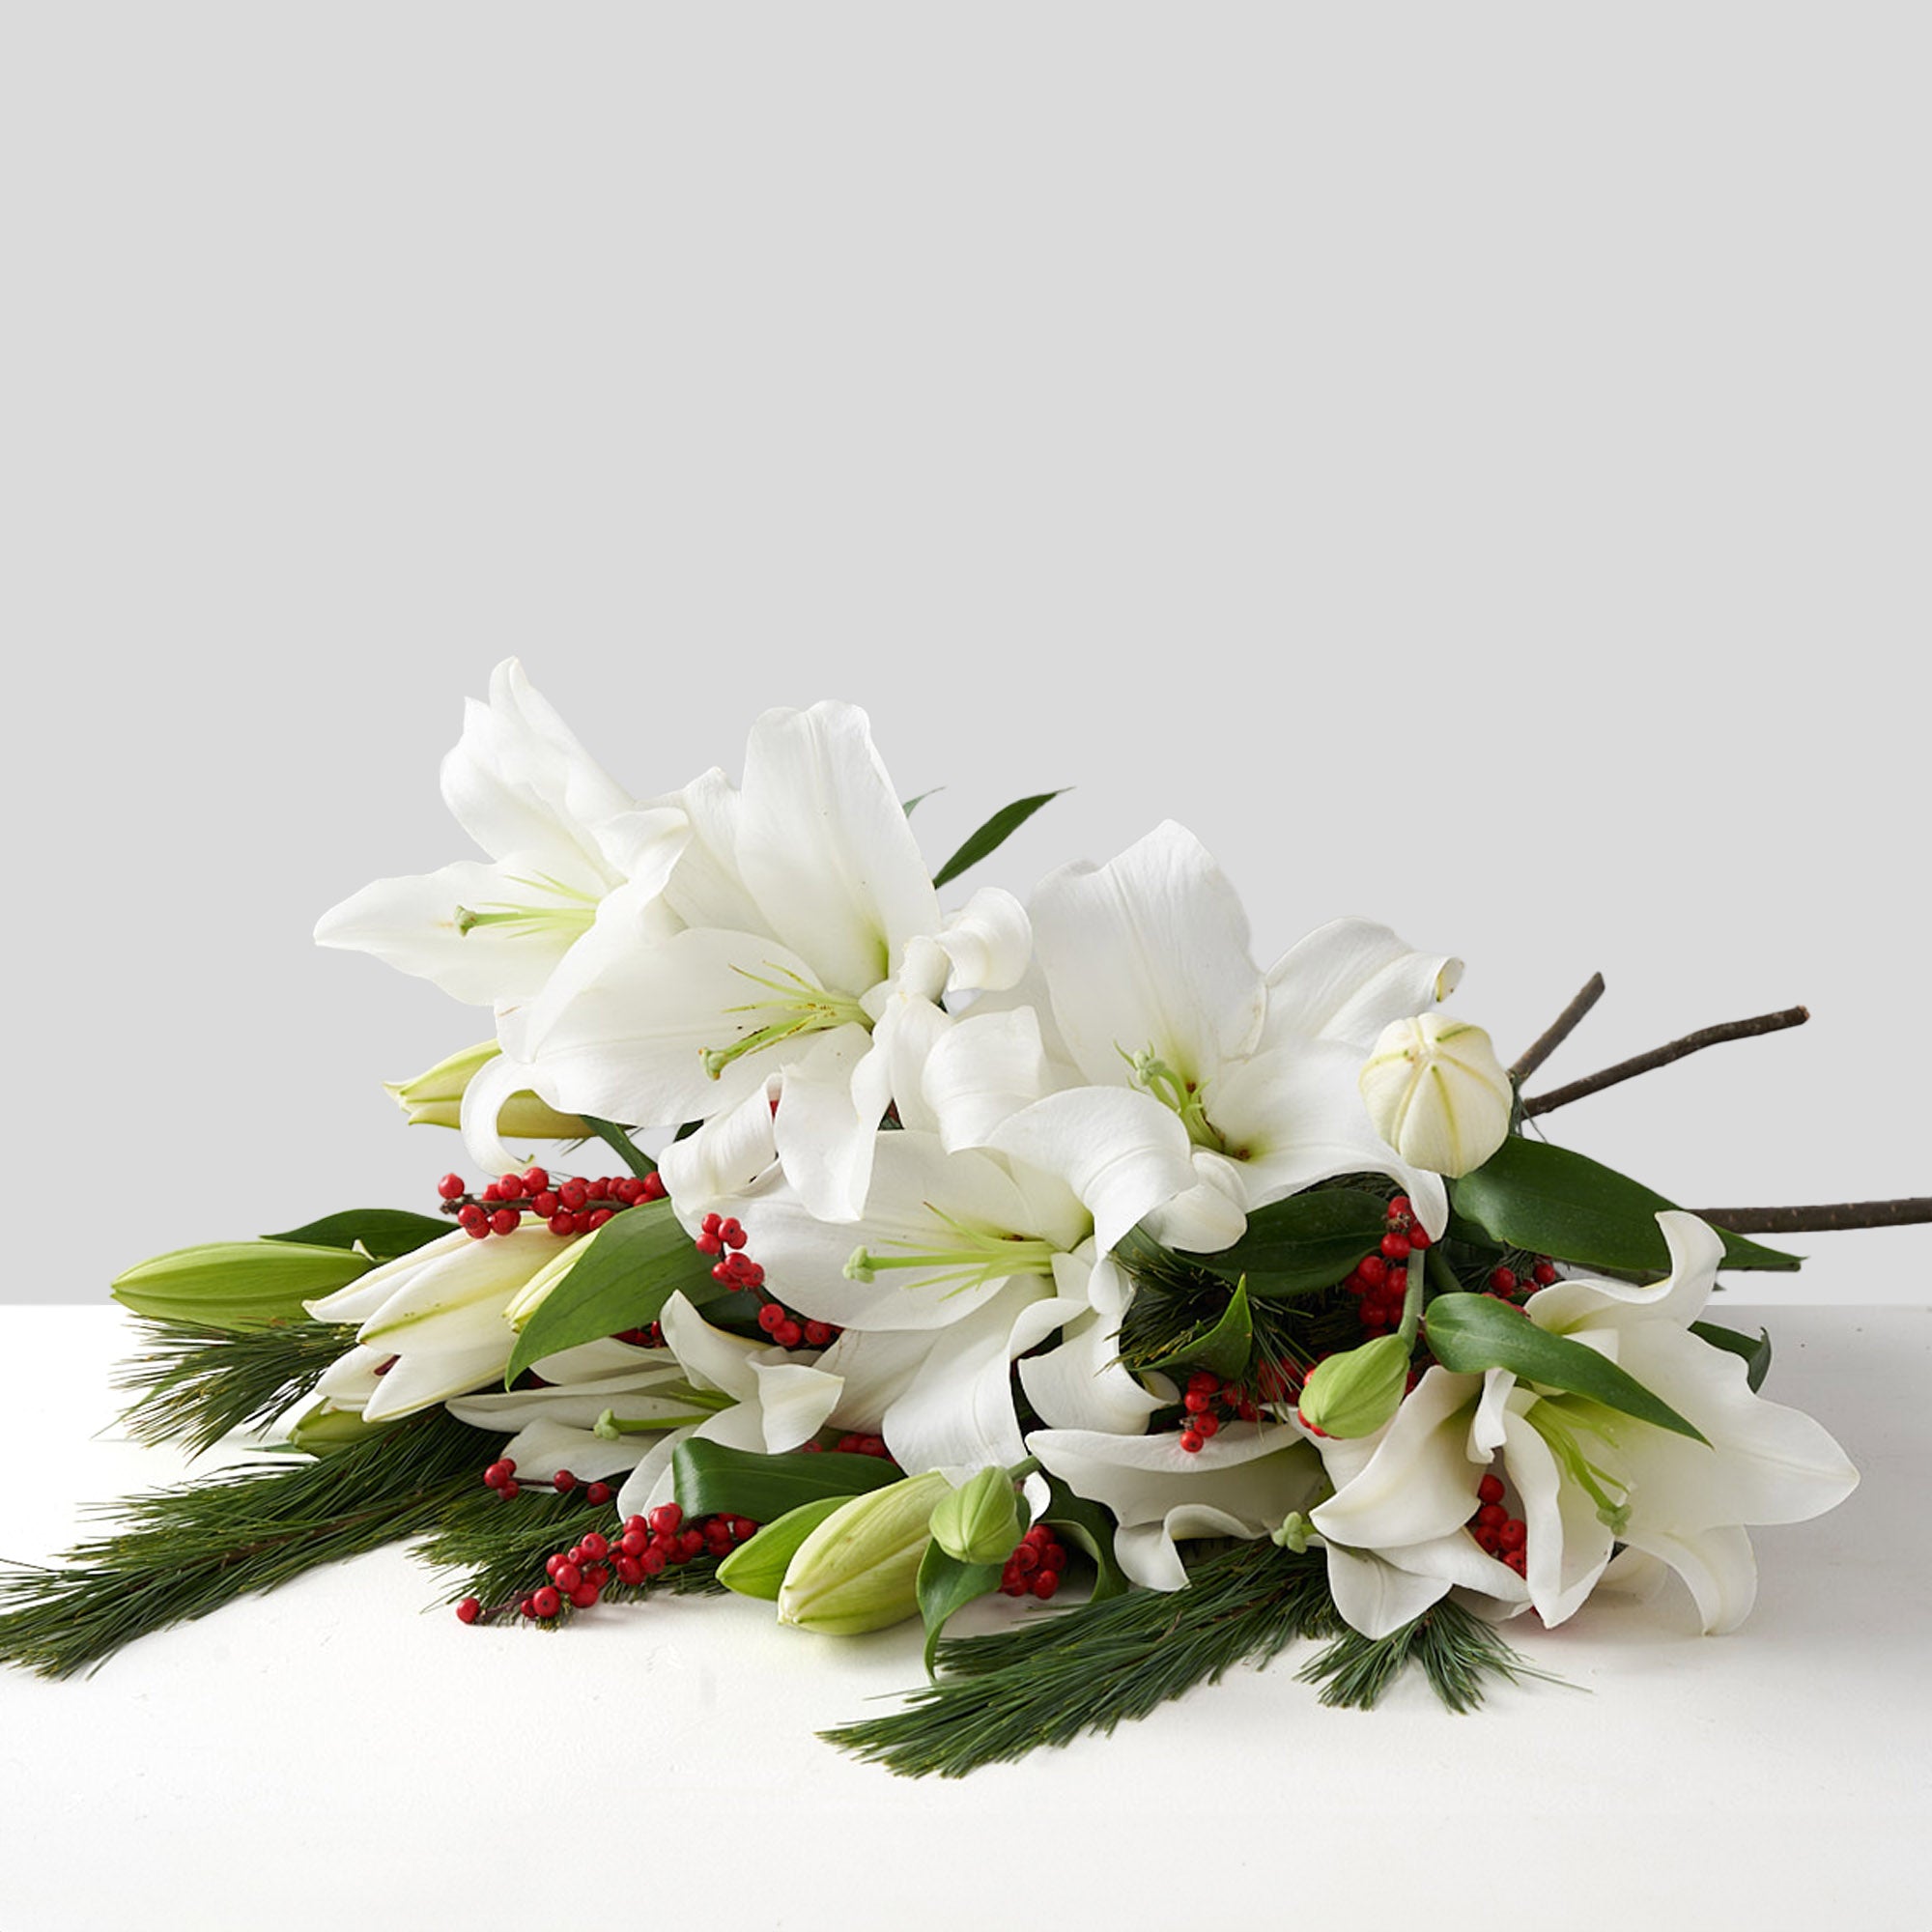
point(1378, 1586)
point(973, 1259)
point(554, 1428)
point(1242, 1481)
point(767, 1399)
point(1192, 1114)
point(834, 942)
point(1586, 1477)
point(438, 1319)
point(562, 837)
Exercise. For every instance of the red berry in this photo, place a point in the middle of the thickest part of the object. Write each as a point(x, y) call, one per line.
point(630, 1572)
point(597, 1492)
point(654, 1187)
point(667, 1519)
point(573, 1195)
point(1544, 1274)
point(1401, 1205)
point(1372, 1271)
point(509, 1491)
point(505, 1221)
point(546, 1602)
point(564, 1482)
point(1207, 1425)
point(453, 1188)
point(1396, 1247)
point(536, 1178)
point(818, 1333)
point(595, 1546)
point(1044, 1584)
point(1418, 1237)
point(788, 1334)
point(599, 1217)
point(585, 1594)
point(566, 1575)
point(469, 1609)
point(1503, 1280)
point(1191, 1440)
point(1491, 1490)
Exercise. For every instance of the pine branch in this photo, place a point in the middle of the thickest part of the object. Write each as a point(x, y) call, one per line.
point(1459, 1653)
point(181, 1552)
point(1093, 1667)
point(201, 1383)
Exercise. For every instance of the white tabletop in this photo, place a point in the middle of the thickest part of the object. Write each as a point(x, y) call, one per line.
point(334, 1754)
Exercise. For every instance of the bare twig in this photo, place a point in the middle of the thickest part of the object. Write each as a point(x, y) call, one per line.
point(1560, 1030)
point(1663, 1055)
point(1819, 1220)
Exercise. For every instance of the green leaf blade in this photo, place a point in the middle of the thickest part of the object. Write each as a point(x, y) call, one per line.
point(946, 1585)
point(628, 1268)
point(385, 1232)
point(1756, 1353)
point(1304, 1243)
point(1469, 1333)
point(714, 1480)
point(1549, 1201)
point(1223, 1347)
point(992, 834)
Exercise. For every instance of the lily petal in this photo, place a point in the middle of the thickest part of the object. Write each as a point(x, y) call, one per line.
point(1347, 980)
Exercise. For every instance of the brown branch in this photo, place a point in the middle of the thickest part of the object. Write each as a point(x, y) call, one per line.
point(1663, 1055)
point(1827, 1219)
point(1560, 1030)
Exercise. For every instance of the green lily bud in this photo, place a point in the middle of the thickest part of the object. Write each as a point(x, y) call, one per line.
point(757, 1567)
point(979, 1521)
point(435, 1100)
point(1355, 1392)
point(1437, 1092)
point(859, 1570)
point(237, 1285)
point(328, 1428)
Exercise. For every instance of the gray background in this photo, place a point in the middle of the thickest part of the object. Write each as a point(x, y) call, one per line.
point(1470, 465)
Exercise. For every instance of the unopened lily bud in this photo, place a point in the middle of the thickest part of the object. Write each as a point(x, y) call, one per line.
point(237, 1285)
point(757, 1567)
point(1437, 1092)
point(1355, 1392)
point(328, 1427)
point(435, 1100)
point(979, 1521)
point(533, 1293)
point(859, 1570)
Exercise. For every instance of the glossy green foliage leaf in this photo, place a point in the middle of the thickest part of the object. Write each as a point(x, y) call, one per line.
point(946, 1585)
point(624, 1274)
point(622, 1145)
point(714, 1480)
point(1223, 1345)
point(757, 1567)
point(1469, 1333)
point(385, 1232)
point(1548, 1201)
point(1090, 1529)
point(1304, 1243)
point(992, 834)
point(1756, 1353)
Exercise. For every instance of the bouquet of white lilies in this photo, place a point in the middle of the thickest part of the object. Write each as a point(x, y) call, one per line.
point(954, 1248)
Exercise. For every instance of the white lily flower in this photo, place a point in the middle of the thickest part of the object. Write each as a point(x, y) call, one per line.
point(1191, 1113)
point(1242, 1481)
point(832, 943)
point(1587, 1477)
point(436, 1317)
point(562, 837)
point(774, 1400)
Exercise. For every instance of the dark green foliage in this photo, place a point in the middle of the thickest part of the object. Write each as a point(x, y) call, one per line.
point(194, 1384)
point(1460, 1654)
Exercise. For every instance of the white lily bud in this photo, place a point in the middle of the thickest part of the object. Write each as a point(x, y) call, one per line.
point(859, 1570)
point(435, 1100)
point(1437, 1092)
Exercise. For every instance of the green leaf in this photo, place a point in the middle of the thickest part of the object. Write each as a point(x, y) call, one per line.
point(757, 1567)
point(1223, 1345)
point(713, 1480)
point(992, 834)
point(946, 1585)
point(1469, 1333)
point(1090, 1529)
point(1305, 1243)
point(383, 1232)
point(913, 804)
point(622, 1145)
point(624, 1274)
point(1548, 1201)
point(1756, 1354)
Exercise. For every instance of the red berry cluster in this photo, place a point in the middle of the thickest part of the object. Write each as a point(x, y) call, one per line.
point(1493, 1526)
point(1381, 1278)
point(568, 1207)
point(1505, 1284)
point(646, 1548)
point(1209, 1402)
point(739, 1272)
point(1034, 1567)
point(502, 1476)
